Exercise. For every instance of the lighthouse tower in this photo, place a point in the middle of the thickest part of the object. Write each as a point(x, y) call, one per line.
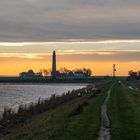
point(54, 65)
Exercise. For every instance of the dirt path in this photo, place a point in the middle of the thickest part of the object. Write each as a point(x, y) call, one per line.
point(104, 133)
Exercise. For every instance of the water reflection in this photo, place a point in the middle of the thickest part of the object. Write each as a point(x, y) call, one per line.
point(14, 95)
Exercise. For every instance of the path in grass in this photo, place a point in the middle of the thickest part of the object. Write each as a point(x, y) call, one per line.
point(104, 133)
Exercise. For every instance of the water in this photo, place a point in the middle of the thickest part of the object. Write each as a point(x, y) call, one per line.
point(13, 95)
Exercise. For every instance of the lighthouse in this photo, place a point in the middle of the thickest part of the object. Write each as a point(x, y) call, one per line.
point(54, 65)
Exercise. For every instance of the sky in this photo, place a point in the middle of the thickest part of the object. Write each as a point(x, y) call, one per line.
point(85, 33)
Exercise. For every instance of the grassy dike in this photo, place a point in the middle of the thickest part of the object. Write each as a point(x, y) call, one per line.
point(78, 119)
point(124, 113)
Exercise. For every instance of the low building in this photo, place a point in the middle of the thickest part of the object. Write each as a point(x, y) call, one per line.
point(133, 75)
point(29, 73)
point(79, 74)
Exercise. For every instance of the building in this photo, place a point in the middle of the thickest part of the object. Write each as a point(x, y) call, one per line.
point(54, 74)
point(79, 74)
point(133, 75)
point(29, 73)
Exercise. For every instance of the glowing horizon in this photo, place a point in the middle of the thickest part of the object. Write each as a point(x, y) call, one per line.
point(93, 54)
point(17, 62)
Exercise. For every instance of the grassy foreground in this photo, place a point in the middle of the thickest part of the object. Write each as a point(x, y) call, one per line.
point(124, 113)
point(75, 120)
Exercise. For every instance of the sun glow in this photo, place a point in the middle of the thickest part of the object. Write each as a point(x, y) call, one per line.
point(16, 57)
point(15, 65)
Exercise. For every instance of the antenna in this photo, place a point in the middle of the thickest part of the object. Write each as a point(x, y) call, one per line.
point(114, 70)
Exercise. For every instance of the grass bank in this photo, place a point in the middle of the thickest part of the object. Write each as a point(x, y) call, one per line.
point(75, 120)
point(124, 113)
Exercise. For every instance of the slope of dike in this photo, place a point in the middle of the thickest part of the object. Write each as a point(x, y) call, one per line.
point(124, 112)
point(77, 119)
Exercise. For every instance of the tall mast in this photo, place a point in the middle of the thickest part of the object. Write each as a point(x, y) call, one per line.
point(114, 70)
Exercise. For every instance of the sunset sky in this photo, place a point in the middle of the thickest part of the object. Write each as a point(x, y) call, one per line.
point(85, 33)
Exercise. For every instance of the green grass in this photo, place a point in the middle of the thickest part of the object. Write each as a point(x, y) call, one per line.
point(86, 125)
point(62, 123)
point(135, 84)
point(124, 113)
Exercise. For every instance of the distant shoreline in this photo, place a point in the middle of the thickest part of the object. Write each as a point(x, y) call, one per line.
point(45, 80)
point(33, 83)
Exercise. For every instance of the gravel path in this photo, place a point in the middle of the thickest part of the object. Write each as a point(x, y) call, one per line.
point(105, 133)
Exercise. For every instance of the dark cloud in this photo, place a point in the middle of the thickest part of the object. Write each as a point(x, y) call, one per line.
point(41, 20)
point(103, 57)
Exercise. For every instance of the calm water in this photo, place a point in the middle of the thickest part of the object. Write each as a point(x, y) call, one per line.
point(14, 95)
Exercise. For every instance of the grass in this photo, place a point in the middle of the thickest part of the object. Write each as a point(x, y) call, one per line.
point(135, 84)
point(124, 113)
point(75, 120)
point(86, 125)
